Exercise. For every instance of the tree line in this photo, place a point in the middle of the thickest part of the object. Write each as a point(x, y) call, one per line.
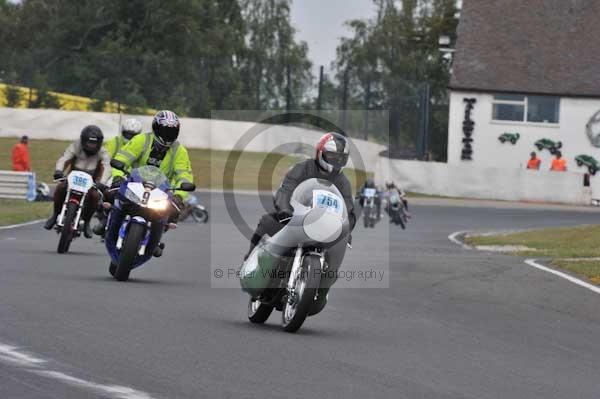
point(195, 56)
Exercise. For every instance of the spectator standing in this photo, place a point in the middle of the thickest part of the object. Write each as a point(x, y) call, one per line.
point(558, 163)
point(534, 162)
point(20, 156)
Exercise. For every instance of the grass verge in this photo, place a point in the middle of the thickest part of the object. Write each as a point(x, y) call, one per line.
point(574, 249)
point(19, 211)
point(590, 269)
point(254, 171)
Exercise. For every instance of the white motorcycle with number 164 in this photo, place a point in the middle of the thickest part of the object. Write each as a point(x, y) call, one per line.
point(69, 223)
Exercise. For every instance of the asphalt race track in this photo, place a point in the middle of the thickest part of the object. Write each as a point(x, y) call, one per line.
point(452, 324)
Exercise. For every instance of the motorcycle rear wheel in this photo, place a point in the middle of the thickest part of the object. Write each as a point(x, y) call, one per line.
point(258, 312)
point(66, 235)
point(131, 245)
point(296, 309)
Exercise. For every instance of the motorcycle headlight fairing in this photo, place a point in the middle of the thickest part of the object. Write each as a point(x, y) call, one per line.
point(131, 196)
point(158, 205)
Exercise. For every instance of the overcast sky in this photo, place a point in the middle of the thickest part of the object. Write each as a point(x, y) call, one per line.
point(321, 23)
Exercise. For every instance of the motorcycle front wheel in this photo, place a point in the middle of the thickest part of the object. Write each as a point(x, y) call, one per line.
point(297, 303)
point(112, 269)
point(131, 244)
point(66, 234)
point(401, 221)
point(200, 215)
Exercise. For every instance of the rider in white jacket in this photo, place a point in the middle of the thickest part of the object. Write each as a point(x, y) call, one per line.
point(87, 155)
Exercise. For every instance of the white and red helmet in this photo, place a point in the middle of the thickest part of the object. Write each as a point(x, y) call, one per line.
point(332, 152)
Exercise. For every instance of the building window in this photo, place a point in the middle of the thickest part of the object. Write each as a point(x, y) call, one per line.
point(520, 108)
point(542, 109)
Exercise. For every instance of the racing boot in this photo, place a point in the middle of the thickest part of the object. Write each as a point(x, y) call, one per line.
point(87, 229)
point(51, 221)
point(158, 251)
point(100, 227)
point(320, 302)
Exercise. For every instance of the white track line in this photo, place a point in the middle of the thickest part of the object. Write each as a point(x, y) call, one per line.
point(11, 354)
point(453, 238)
point(14, 226)
point(581, 283)
point(533, 263)
point(33, 364)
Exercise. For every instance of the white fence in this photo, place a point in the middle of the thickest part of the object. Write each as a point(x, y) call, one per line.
point(195, 133)
point(17, 185)
point(462, 180)
point(490, 183)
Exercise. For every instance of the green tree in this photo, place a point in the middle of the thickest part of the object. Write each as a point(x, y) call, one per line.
point(272, 49)
point(389, 59)
point(193, 55)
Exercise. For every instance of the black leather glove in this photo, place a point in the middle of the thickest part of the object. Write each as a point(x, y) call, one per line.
point(101, 187)
point(116, 183)
point(58, 174)
point(284, 214)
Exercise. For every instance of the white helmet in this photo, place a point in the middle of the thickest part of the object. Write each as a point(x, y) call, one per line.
point(130, 128)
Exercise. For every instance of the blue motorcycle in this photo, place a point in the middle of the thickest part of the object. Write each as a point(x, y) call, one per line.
point(138, 218)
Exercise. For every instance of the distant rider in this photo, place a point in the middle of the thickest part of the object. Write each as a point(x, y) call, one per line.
point(370, 183)
point(330, 158)
point(87, 155)
point(130, 128)
point(161, 149)
point(392, 189)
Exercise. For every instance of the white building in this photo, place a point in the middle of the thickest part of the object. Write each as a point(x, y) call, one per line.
point(530, 68)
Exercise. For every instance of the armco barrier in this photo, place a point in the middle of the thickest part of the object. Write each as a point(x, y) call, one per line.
point(17, 185)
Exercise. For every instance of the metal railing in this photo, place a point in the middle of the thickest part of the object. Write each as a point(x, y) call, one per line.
point(17, 185)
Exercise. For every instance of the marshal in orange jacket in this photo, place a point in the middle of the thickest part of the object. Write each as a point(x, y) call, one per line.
point(20, 158)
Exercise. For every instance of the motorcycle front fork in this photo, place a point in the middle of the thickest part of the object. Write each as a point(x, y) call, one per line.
point(61, 215)
point(296, 271)
point(123, 233)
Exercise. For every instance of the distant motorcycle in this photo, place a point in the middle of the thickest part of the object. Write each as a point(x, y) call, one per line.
point(284, 272)
point(369, 210)
point(195, 209)
point(397, 211)
point(69, 224)
point(138, 218)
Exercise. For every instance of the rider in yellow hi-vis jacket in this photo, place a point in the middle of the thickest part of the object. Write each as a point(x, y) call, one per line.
point(130, 128)
point(161, 149)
